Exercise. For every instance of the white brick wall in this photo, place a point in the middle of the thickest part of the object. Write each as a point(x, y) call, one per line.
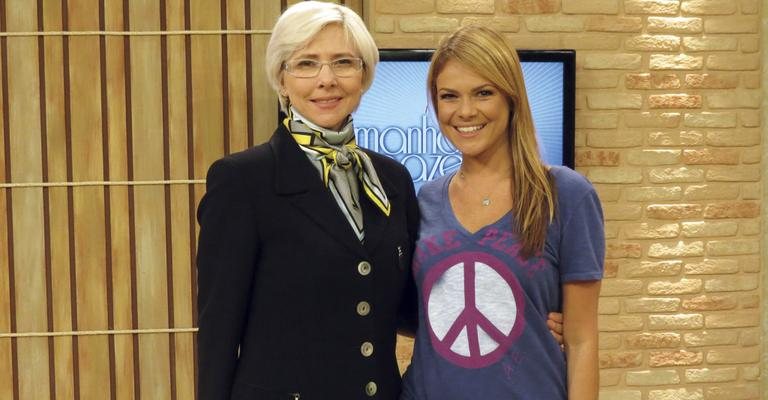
point(669, 128)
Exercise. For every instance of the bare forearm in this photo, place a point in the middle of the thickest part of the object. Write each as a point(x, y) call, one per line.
point(580, 336)
point(583, 378)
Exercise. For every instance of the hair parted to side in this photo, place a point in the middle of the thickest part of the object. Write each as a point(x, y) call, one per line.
point(299, 24)
point(489, 54)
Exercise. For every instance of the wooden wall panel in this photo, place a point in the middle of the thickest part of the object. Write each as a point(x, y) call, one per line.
point(237, 85)
point(58, 201)
point(8, 378)
point(263, 15)
point(27, 203)
point(207, 88)
point(88, 202)
point(111, 136)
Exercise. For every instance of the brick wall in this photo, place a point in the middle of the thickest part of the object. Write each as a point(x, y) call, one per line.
point(669, 129)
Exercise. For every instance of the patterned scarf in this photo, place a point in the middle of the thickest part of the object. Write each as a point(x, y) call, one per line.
point(342, 165)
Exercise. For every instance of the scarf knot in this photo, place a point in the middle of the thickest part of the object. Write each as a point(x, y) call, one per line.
point(344, 167)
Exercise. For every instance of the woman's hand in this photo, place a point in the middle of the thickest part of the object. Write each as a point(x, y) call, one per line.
point(555, 325)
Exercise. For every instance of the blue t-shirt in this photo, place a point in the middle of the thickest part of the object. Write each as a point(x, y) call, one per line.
point(483, 308)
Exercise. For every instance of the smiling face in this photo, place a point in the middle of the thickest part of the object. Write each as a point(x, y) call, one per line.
point(326, 99)
point(473, 113)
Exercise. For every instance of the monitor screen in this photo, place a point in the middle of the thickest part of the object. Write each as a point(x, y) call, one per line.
point(395, 119)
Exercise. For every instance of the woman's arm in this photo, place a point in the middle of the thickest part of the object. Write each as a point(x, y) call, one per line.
point(226, 253)
point(580, 335)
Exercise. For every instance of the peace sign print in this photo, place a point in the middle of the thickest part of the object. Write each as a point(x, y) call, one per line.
point(475, 307)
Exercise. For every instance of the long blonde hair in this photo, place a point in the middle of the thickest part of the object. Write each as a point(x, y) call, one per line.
point(487, 53)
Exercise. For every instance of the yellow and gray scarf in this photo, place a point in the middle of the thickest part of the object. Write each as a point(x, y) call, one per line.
point(342, 165)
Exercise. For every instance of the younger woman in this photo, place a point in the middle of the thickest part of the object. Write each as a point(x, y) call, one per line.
point(502, 241)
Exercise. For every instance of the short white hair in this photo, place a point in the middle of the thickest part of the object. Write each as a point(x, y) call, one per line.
point(299, 24)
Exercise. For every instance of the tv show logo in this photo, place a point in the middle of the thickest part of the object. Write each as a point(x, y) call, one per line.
point(423, 149)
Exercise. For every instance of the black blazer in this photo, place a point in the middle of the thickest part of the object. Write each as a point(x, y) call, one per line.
point(289, 299)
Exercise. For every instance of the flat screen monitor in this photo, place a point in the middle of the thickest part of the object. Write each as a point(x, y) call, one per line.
point(395, 119)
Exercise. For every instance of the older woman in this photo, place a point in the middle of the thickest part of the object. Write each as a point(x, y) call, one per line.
point(305, 241)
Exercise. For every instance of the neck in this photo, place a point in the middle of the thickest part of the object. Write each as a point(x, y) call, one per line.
point(494, 168)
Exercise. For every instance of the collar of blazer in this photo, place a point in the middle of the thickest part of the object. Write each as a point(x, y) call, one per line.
point(298, 180)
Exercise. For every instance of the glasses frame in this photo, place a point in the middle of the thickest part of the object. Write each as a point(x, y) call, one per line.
point(359, 65)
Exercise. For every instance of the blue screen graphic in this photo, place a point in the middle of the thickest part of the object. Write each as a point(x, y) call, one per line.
point(394, 117)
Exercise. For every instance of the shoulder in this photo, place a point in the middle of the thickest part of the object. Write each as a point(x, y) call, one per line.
point(233, 167)
point(569, 183)
point(432, 191)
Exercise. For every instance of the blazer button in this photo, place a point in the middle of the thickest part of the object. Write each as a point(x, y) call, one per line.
point(363, 308)
point(371, 389)
point(364, 268)
point(366, 349)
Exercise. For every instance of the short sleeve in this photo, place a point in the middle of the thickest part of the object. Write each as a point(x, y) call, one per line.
point(582, 242)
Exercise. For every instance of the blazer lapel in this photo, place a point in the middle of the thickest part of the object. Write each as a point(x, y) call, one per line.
point(299, 182)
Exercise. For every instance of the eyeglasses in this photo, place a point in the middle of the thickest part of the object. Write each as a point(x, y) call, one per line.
point(341, 67)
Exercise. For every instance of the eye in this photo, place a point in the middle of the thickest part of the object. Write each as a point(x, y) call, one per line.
point(305, 63)
point(446, 96)
point(343, 62)
point(485, 92)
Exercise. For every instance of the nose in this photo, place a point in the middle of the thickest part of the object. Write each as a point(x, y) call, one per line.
point(467, 108)
point(326, 77)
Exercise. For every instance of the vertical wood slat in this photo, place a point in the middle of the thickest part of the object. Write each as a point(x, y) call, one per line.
point(263, 16)
point(8, 379)
point(27, 204)
point(109, 282)
point(169, 232)
point(237, 101)
point(191, 203)
point(88, 202)
point(71, 269)
point(206, 85)
point(119, 207)
point(58, 202)
point(46, 202)
point(206, 88)
point(148, 164)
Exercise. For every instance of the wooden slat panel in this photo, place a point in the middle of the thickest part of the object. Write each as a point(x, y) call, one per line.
point(185, 380)
point(265, 99)
point(237, 88)
point(182, 290)
point(178, 168)
point(5, 300)
point(115, 80)
point(124, 388)
point(264, 14)
point(151, 285)
point(88, 202)
point(29, 255)
point(177, 92)
point(6, 360)
point(207, 118)
point(6, 370)
point(58, 202)
point(122, 280)
point(206, 87)
point(179, 158)
point(30, 290)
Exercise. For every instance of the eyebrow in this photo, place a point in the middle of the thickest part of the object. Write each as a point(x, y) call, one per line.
point(474, 89)
point(315, 56)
